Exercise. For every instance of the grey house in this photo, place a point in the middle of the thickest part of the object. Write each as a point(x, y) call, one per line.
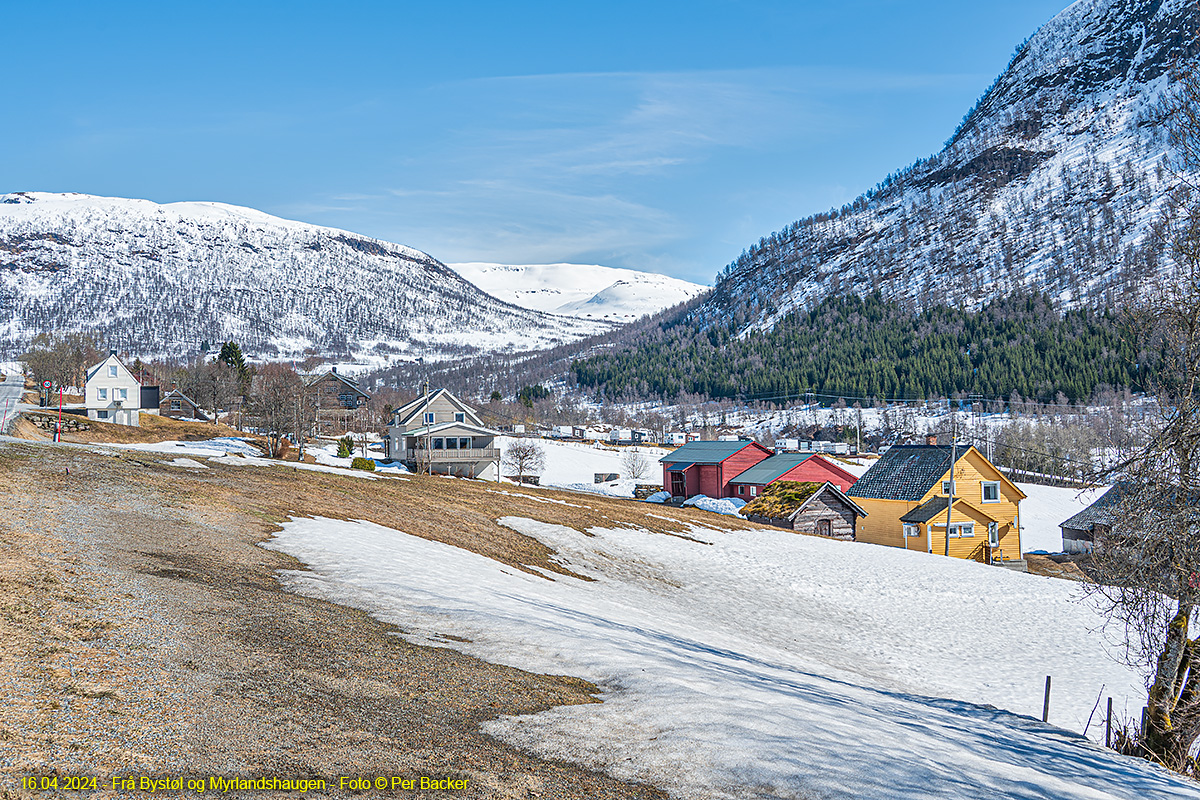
point(442, 434)
point(1080, 532)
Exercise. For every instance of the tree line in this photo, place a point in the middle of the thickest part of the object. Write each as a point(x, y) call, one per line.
point(868, 347)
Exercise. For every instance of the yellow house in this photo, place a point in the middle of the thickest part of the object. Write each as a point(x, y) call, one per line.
point(906, 493)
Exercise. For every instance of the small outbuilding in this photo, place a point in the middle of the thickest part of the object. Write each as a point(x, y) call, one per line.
point(178, 405)
point(1080, 532)
point(820, 509)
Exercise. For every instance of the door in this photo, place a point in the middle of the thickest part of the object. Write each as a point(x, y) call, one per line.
point(678, 485)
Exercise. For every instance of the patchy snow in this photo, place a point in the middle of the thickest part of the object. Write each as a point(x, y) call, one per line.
point(765, 664)
point(219, 446)
point(188, 463)
point(580, 290)
point(1045, 508)
point(659, 497)
point(574, 465)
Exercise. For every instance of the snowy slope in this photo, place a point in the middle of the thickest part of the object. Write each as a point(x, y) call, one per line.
point(580, 290)
point(160, 279)
point(765, 664)
point(1053, 182)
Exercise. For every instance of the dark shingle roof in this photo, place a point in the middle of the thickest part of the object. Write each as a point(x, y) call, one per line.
point(926, 511)
point(704, 452)
point(1102, 511)
point(905, 472)
point(770, 469)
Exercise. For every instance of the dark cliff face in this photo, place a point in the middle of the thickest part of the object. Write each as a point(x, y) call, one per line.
point(1053, 182)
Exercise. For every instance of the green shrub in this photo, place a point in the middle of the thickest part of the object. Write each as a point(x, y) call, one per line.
point(345, 447)
point(363, 463)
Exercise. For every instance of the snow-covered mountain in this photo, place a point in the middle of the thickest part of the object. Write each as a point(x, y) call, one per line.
point(1053, 181)
point(160, 279)
point(586, 291)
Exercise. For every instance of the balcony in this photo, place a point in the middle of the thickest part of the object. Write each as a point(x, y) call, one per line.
point(441, 456)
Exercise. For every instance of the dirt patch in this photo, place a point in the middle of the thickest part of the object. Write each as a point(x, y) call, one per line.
point(1065, 568)
point(146, 631)
point(151, 429)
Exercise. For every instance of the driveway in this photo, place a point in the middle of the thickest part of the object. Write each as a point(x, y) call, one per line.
point(10, 398)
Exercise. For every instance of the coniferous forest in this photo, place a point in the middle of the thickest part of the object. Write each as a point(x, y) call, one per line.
point(858, 348)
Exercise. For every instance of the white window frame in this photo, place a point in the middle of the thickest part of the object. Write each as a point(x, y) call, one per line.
point(957, 530)
point(946, 488)
point(993, 534)
point(754, 491)
point(102, 395)
point(460, 416)
point(911, 530)
point(176, 405)
point(742, 489)
point(438, 443)
point(121, 394)
point(983, 486)
point(464, 443)
point(429, 418)
point(112, 370)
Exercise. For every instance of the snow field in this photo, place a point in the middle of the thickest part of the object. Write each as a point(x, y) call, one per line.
point(763, 663)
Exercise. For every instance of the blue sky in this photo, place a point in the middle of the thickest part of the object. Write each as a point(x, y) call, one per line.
point(661, 136)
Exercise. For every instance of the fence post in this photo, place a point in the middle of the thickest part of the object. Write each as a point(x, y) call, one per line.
point(1046, 702)
point(1108, 726)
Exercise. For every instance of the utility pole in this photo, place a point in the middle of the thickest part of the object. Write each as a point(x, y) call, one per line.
point(428, 439)
point(953, 459)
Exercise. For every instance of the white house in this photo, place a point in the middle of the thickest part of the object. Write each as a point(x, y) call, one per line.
point(443, 434)
point(111, 393)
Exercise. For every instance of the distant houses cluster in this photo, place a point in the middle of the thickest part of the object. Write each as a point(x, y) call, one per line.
point(917, 497)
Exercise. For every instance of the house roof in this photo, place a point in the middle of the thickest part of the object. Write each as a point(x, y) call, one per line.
point(92, 370)
point(179, 394)
point(783, 496)
point(771, 469)
point(705, 452)
point(829, 487)
point(905, 472)
point(409, 409)
point(927, 510)
point(349, 382)
point(1103, 511)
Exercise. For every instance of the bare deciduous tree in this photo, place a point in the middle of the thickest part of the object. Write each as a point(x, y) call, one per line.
point(273, 396)
point(634, 464)
point(524, 458)
point(1149, 561)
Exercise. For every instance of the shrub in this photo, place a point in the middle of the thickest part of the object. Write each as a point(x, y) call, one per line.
point(345, 447)
point(363, 463)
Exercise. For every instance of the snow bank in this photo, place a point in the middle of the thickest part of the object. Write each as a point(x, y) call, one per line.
point(659, 497)
point(765, 664)
point(1045, 508)
point(730, 506)
point(222, 445)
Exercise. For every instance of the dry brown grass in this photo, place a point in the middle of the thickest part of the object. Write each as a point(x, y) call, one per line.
point(146, 630)
point(152, 428)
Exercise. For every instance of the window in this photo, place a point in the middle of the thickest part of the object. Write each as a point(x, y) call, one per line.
point(464, 444)
point(112, 370)
point(428, 417)
point(102, 395)
point(452, 443)
point(993, 534)
point(754, 491)
point(102, 414)
point(120, 394)
point(991, 491)
point(911, 530)
point(946, 487)
point(176, 405)
point(438, 443)
point(742, 490)
point(962, 530)
point(459, 416)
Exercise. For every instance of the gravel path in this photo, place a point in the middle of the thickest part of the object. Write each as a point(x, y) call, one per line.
point(146, 634)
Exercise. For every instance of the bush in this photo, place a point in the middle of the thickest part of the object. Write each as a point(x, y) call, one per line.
point(345, 447)
point(363, 463)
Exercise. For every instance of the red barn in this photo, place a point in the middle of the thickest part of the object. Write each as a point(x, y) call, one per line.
point(788, 467)
point(707, 467)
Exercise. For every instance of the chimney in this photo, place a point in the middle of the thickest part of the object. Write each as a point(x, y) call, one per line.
point(931, 440)
point(112, 352)
point(334, 370)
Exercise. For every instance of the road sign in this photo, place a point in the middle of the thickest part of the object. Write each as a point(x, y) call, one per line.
point(46, 384)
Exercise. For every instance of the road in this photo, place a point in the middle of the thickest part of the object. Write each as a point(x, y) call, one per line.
point(10, 398)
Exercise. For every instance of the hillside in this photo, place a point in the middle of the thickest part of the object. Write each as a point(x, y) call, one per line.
point(161, 279)
point(580, 290)
point(1053, 183)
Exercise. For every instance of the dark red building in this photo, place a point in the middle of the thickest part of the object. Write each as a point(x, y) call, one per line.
point(708, 467)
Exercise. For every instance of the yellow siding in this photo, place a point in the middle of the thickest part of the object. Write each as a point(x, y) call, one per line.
point(883, 525)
